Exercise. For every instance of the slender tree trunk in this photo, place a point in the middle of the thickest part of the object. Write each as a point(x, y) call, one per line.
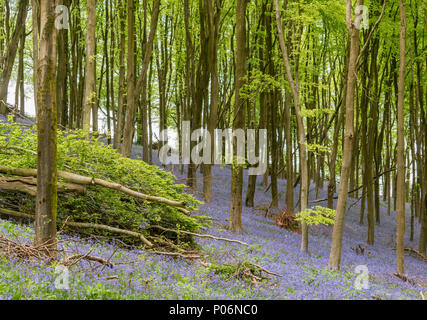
point(131, 102)
point(213, 31)
point(239, 120)
point(12, 47)
point(62, 73)
point(89, 97)
point(335, 254)
point(301, 129)
point(400, 193)
point(118, 130)
point(129, 122)
point(289, 169)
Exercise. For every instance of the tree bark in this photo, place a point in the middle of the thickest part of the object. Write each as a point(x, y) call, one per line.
point(239, 120)
point(400, 193)
point(335, 254)
point(89, 96)
point(301, 130)
point(129, 122)
point(12, 47)
point(46, 201)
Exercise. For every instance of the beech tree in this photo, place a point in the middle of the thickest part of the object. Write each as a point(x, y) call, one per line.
point(400, 193)
point(89, 97)
point(353, 29)
point(10, 55)
point(46, 201)
point(239, 118)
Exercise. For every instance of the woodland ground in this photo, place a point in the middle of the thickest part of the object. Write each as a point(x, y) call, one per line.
point(140, 275)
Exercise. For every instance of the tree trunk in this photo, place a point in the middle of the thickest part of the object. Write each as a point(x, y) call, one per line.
point(301, 129)
point(239, 120)
point(89, 97)
point(335, 254)
point(46, 201)
point(12, 48)
point(400, 193)
point(132, 98)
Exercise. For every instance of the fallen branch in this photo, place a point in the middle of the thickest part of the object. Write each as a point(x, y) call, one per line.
point(405, 278)
point(415, 254)
point(29, 186)
point(177, 254)
point(83, 180)
point(83, 225)
point(16, 148)
point(110, 229)
point(267, 271)
point(74, 259)
point(356, 189)
point(198, 235)
point(25, 252)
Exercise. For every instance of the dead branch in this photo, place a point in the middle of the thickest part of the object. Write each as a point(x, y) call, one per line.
point(177, 254)
point(405, 278)
point(84, 225)
point(266, 271)
point(16, 148)
point(74, 259)
point(415, 253)
point(198, 235)
point(110, 229)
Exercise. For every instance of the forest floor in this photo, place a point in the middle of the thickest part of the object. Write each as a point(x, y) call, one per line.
point(140, 275)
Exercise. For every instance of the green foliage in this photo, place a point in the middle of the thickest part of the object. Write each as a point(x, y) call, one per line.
point(92, 157)
point(316, 215)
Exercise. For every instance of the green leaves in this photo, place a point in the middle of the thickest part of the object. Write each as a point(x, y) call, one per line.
point(316, 215)
point(92, 157)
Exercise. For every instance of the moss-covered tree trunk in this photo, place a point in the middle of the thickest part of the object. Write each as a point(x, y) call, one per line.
point(46, 201)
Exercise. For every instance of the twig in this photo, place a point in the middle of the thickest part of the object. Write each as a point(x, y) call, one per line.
point(266, 271)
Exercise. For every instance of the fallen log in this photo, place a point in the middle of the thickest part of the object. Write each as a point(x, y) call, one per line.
point(82, 225)
point(28, 185)
point(83, 180)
